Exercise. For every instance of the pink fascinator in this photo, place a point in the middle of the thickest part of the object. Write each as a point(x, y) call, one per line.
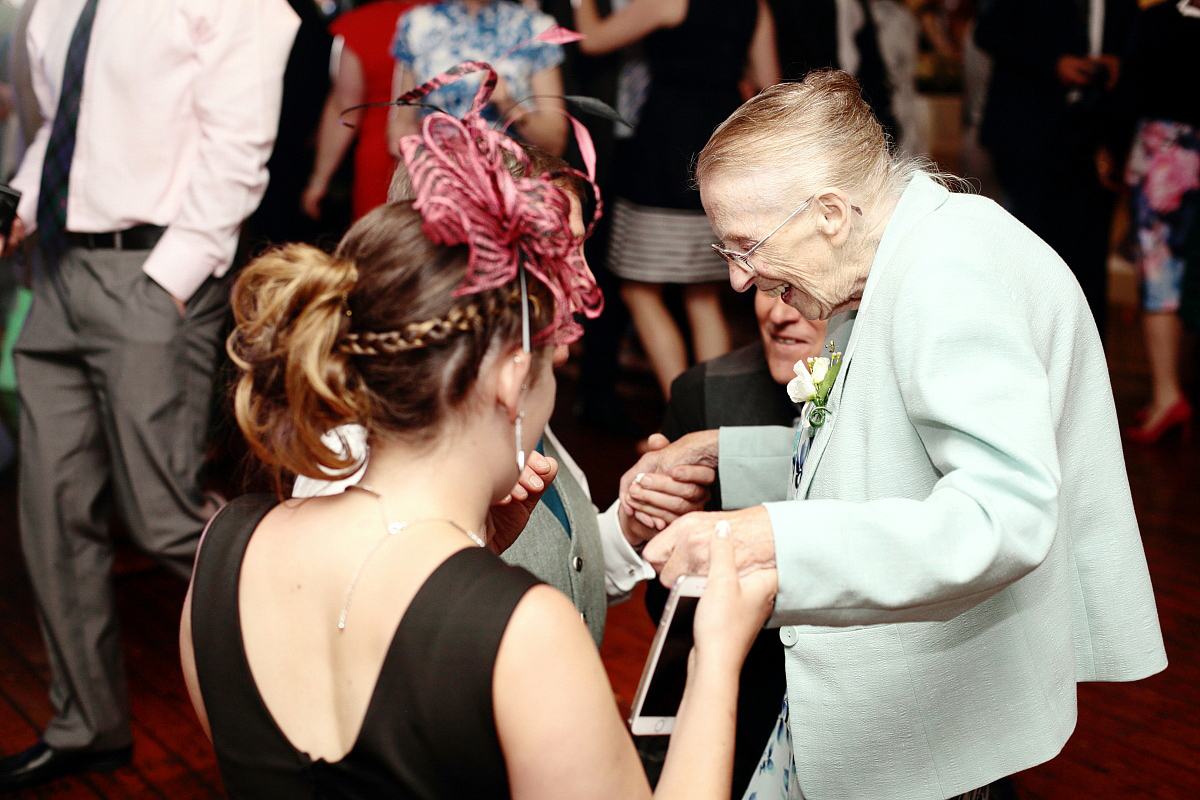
point(466, 194)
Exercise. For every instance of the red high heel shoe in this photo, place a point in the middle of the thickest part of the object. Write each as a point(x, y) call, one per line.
point(1178, 414)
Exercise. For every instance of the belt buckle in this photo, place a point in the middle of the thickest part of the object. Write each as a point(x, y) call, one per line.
point(117, 244)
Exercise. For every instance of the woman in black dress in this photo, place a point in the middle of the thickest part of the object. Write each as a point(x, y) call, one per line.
point(362, 645)
point(699, 52)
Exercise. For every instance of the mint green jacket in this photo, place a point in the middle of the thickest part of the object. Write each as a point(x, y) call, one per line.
point(966, 550)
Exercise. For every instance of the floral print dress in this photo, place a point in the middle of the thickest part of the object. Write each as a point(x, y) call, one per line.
point(431, 39)
point(1164, 174)
point(776, 775)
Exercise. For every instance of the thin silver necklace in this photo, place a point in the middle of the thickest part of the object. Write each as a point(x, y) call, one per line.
point(392, 529)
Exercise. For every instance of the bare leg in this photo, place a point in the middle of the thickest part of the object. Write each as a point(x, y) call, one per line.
point(657, 329)
point(710, 331)
point(1164, 334)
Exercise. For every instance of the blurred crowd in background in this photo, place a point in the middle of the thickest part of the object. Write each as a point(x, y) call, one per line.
point(1037, 104)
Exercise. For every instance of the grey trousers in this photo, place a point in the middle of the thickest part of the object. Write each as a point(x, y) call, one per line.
point(114, 388)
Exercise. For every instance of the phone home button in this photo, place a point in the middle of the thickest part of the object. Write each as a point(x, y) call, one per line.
point(658, 726)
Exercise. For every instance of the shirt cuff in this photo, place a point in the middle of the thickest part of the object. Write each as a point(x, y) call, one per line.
point(183, 260)
point(623, 567)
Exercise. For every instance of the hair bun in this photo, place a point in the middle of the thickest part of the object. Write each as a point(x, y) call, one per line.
point(290, 312)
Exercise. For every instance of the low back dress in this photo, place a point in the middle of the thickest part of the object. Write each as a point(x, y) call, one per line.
point(429, 731)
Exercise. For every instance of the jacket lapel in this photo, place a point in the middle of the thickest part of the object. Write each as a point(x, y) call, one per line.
point(922, 196)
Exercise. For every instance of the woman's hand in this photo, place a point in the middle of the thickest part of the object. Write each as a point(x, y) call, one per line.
point(733, 609)
point(310, 201)
point(508, 518)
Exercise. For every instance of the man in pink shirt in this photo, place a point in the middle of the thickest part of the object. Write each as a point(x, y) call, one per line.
point(159, 119)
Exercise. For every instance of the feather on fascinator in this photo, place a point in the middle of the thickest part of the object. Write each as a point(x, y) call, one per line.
point(466, 194)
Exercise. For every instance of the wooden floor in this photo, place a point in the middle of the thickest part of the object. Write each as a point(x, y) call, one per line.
point(1138, 740)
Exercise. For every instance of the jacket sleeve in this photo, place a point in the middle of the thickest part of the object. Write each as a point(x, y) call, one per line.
point(975, 389)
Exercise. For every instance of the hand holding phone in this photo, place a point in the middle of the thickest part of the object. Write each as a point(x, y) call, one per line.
point(9, 198)
point(10, 243)
point(722, 625)
point(660, 691)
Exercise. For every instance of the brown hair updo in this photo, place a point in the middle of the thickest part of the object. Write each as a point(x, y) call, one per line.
point(372, 334)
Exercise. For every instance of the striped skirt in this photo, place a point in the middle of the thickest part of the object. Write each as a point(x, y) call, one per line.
point(663, 245)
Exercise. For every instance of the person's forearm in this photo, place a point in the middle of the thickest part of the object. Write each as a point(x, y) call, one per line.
point(587, 22)
point(545, 128)
point(333, 140)
point(699, 760)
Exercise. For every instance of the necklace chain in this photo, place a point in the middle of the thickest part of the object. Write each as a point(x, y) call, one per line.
point(391, 528)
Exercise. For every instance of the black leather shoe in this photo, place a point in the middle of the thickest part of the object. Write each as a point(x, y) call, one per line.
point(42, 763)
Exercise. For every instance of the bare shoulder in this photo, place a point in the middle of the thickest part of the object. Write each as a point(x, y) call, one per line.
point(549, 687)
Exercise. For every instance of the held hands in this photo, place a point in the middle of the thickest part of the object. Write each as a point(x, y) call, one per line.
point(733, 609)
point(670, 480)
point(1075, 72)
point(684, 547)
point(507, 518)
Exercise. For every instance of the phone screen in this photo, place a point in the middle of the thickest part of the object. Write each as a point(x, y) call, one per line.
point(665, 690)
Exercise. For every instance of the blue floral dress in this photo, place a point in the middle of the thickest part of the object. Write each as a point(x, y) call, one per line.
point(431, 39)
point(776, 775)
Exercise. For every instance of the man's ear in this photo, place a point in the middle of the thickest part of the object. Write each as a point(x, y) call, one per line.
point(834, 215)
point(512, 378)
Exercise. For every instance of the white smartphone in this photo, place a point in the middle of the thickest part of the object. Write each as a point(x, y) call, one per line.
point(665, 674)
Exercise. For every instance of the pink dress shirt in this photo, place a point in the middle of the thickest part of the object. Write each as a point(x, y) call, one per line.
point(178, 116)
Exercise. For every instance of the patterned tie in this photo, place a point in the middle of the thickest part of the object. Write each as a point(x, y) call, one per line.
point(56, 169)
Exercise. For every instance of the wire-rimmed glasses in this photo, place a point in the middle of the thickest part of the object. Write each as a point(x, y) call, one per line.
point(742, 259)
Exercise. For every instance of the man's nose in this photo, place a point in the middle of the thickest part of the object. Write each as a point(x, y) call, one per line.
point(782, 313)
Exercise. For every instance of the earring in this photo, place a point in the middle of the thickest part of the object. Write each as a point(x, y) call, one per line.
point(520, 449)
point(520, 416)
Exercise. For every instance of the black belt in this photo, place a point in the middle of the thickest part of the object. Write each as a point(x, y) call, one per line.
point(139, 237)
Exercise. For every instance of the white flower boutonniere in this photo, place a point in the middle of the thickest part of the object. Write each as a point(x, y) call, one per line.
point(801, 388)
point(813, 382)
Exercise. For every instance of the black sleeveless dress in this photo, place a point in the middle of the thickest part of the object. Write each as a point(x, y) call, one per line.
point(429, 730)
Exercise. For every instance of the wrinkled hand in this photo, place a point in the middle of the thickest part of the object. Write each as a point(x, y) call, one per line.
point(508, 518)
point(671, 479)
point(10, 243)
point(683, 548)
point(732, 609)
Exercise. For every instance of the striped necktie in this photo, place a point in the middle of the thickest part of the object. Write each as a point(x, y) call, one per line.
point(56, 168)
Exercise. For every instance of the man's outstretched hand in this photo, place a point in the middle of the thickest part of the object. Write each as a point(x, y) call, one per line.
point(670, 480)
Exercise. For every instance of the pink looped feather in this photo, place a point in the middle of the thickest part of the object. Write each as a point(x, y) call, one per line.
point(466, 195)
